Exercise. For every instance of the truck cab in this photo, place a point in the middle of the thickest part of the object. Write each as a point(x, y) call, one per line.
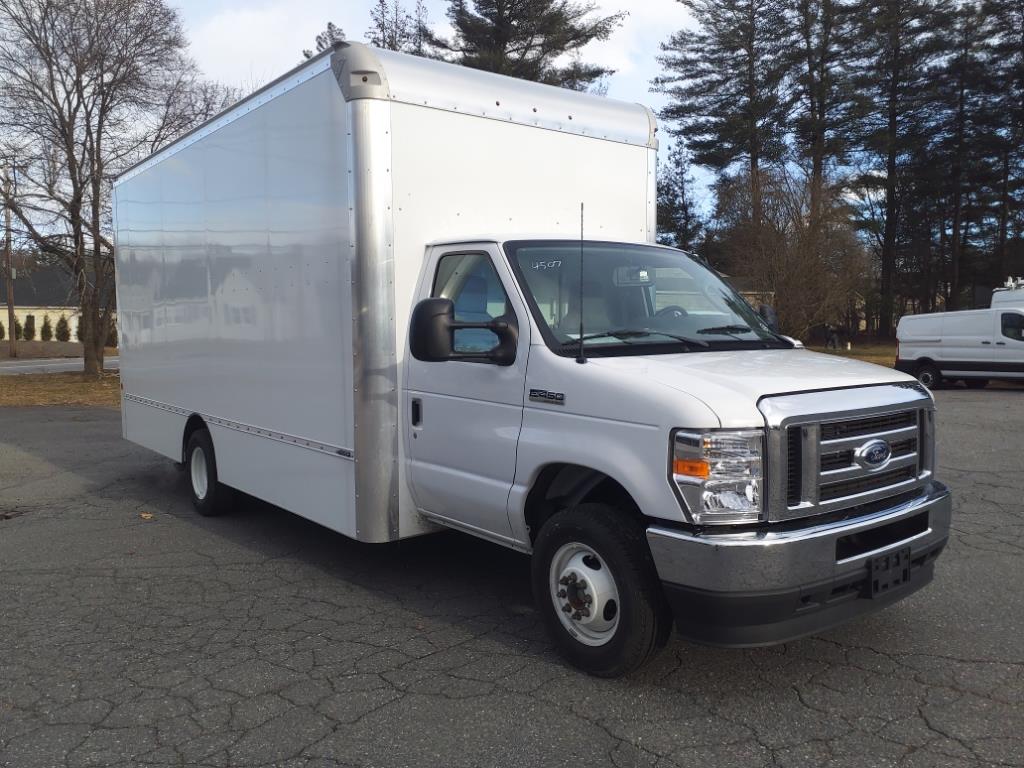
point(619, 412)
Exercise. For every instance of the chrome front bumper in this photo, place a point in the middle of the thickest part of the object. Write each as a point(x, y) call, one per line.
point(771, 586)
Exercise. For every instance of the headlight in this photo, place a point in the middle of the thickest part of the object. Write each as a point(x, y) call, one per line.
point(720, 474)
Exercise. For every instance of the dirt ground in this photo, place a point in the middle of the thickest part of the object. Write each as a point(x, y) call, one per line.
point(878, 353)
point(38, 350)
point(61, 389)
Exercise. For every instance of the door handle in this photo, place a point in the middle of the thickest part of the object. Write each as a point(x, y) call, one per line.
point(986, 342)
point(417, 411)
point(1000, 343)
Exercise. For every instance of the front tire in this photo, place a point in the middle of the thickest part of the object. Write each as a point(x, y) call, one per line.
point(929, 376)
point(209, 496)
point(597, 590)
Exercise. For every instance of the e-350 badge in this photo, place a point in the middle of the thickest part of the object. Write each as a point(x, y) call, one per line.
point(543, 396)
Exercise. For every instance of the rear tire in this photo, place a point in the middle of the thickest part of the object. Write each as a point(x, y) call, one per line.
point(209, 497)
point(929, 376)
point(976, 383)
point(607, 549)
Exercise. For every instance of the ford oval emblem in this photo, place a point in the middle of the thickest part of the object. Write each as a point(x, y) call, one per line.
point(874, 454)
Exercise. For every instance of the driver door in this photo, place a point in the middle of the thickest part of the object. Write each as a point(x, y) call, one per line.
point(465, 417)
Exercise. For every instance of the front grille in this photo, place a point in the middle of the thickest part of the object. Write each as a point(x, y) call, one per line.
point(860, 485)
point(838, 430)
point(821, 470)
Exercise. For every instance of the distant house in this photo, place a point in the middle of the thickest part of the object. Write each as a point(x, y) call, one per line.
point(748, 288)
point(41, 290)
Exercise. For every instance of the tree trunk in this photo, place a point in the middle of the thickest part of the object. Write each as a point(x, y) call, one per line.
point(957, 174)
point(887, 297)
point(1004, 215)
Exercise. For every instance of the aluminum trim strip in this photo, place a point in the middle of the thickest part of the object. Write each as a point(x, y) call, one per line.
point(855, 471)
point(375, 360)
point(868, 496)
point(249, 429)
point(853, 442)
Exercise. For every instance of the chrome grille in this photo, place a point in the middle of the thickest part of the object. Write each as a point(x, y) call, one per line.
point(817, 469)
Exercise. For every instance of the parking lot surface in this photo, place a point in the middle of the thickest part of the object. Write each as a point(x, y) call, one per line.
point(135, 633)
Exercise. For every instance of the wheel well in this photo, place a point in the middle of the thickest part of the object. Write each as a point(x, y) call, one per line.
point(921, 362)
point(561, 486)
point(195, 422)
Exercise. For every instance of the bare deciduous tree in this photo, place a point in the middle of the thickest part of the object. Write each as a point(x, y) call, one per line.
point(86, 88)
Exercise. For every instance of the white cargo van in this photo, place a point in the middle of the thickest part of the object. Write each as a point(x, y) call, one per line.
point(312, 313)
point(973, 346)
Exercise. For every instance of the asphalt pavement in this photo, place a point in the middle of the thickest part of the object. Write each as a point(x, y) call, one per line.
point(135, 633)
point(9, 367)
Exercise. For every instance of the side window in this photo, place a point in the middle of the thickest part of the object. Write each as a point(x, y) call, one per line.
point(471, 282)
point(1013, 326)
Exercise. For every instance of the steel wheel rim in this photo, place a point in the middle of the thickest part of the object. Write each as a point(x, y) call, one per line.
point(197, 469)
point(584, 594)
point(926, 378)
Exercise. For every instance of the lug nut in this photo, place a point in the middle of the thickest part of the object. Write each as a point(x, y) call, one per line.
point(562, 593)
point(588, 599)
point(566, 608)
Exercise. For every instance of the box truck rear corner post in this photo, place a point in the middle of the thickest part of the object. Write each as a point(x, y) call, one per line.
point(361, 294)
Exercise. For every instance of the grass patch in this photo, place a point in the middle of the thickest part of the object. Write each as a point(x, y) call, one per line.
point(880, 354)
point(61, 389)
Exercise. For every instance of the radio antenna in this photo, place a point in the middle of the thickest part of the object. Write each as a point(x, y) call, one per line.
point(580, 356)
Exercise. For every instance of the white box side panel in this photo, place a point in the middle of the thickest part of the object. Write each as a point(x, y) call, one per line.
point(461, 176)
point(235, 296)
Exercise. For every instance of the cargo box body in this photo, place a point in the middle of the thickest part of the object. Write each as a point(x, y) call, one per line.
point(267, 262)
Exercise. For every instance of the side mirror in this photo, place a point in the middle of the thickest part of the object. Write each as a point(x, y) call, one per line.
point(770, 318)
point(432, 335)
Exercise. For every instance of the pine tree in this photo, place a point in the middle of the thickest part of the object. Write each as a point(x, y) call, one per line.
point(958, 86)
point(725, 83)
point(896, 41)
point(527, 39)
point(331, 35)
point(3, 331)
point(392, 26)
point(1006, 125)
point(29, 330)
point(823, 89)
point(420, 32)
point(19, 332)
point(46, 334)
point(679, 223)
point(62, 332)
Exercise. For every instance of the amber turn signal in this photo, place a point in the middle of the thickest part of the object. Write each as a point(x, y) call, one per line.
point(692, 468)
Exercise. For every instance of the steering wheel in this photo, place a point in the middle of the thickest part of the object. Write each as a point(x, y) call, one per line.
point(672, 310)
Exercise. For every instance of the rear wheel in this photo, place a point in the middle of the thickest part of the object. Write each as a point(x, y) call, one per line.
point(209, 496)
point(929, 375)
point(976, 383)
point(597, 590)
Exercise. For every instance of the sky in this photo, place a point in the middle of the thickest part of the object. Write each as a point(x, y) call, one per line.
point(247, 43)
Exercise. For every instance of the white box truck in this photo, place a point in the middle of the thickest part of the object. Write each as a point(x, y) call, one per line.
point(361, 295)
point(974, 346)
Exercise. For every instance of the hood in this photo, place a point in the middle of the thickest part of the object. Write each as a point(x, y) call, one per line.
point(731, 383)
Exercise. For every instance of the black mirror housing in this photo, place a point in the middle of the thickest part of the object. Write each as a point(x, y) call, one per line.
point(432, 333)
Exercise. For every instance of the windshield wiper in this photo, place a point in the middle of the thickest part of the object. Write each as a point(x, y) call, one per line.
point(726, 330)
point(733, 330)
point(636, 333)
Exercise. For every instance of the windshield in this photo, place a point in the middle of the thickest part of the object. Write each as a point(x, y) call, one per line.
point(632, 296)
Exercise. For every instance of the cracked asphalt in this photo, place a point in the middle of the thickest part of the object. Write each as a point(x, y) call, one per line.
point(135, 633)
